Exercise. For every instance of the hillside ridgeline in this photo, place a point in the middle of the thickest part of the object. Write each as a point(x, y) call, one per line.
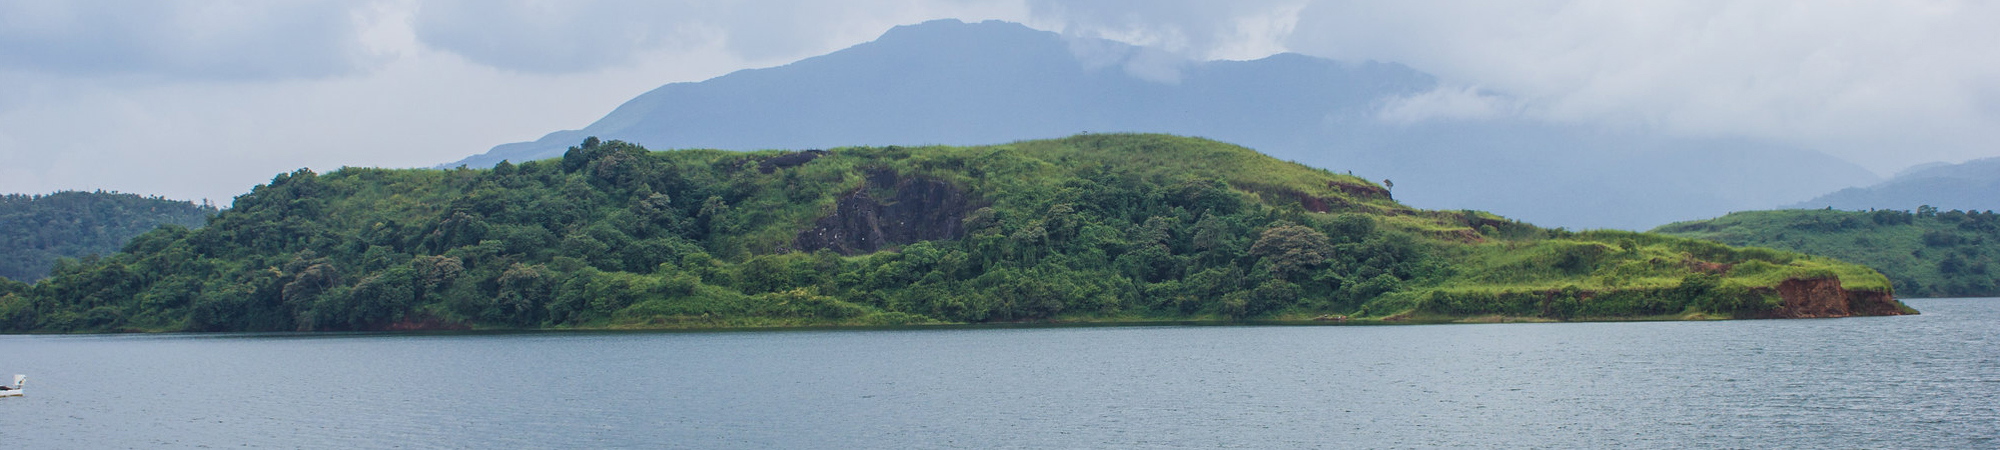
point(36, 231)
point(1968, 186)
point(1125, 228)
point(1924, 253)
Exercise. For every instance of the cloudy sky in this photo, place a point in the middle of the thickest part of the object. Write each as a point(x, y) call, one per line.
point(202, 99)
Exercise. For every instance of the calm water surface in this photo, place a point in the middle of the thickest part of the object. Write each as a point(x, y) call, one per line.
point(1929, 381)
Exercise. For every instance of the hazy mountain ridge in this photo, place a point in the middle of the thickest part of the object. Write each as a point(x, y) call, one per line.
point(917, 85)
point(1972, 185)
point(947, 82)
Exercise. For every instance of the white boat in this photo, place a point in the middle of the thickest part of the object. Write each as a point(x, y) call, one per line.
point(15, 390)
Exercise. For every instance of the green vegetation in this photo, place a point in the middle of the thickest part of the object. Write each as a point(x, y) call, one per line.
point(37, 230)
point(1926, 253)
point(1088, 228)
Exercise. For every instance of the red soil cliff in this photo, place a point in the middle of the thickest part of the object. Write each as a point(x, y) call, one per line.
point(1824, 297)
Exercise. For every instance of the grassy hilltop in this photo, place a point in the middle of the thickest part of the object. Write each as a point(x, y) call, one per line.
point(1926, 253)
point(1087, 228)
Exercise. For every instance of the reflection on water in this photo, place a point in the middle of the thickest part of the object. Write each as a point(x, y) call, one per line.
point(1915, 381)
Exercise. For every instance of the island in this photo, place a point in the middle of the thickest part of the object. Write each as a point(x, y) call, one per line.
point(1093, 228)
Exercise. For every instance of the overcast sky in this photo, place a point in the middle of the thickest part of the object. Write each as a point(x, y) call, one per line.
point(203, 99)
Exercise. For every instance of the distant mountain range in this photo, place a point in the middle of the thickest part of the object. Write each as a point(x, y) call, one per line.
point(1973, 186)
point(955, 83)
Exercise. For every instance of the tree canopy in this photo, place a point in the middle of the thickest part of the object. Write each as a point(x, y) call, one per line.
point(38, 230)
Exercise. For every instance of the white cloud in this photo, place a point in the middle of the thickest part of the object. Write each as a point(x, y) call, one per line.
point(1257, 34)
point(1445, 103)
point(1885, 84)
point(216, 138)
point(168, 123)
point(584, 35)
point(1155, 65)
point(180, 39)
point(1170, 34)
point(1194, 29)
point(204, 98)
point(558, 37)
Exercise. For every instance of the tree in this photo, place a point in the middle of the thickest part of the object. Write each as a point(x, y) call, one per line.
point(1292, 250)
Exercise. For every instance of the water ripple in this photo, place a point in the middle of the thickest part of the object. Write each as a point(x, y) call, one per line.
point(1929, 381)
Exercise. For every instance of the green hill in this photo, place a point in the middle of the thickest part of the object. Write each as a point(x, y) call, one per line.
point(1926, 253)
point(1088, 228)
point(38, 230)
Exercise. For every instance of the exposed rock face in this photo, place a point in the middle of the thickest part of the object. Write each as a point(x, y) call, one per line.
point(1359, 190)
point(923, 209)
point(788, 160)
point(1873, 303)
point(1316, 203)
point(1812, 298)
point(1823, 297)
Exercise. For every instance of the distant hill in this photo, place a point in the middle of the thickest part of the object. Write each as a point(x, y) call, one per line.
point(1972, 185)
point(36, 230)
point(1099, 227)
point(953, 83)
point(1927, 253)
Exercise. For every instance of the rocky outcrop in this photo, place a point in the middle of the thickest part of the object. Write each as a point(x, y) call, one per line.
point(788, 160)
point(921, 209)
point(1875, 303)
point(1824, 297)
point(1360, 191)
point(1350, 193)
point(1821, 297)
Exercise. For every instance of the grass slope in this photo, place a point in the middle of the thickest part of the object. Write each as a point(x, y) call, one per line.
point(1927, 253)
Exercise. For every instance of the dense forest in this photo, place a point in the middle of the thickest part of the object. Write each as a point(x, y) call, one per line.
point(1926, 253)
point(1087, 228)
point(37, 230)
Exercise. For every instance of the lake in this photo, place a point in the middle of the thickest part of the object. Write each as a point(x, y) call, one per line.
point(1927, 381)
